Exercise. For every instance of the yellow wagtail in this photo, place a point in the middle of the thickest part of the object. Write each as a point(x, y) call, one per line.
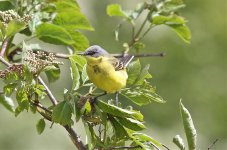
point(105, 71)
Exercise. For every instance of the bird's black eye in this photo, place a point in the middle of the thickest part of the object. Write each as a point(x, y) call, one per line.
point(91, 53)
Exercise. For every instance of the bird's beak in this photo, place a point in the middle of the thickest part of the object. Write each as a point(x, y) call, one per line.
point(82, 54)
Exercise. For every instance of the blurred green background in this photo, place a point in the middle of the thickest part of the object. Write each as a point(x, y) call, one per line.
point(195, 72)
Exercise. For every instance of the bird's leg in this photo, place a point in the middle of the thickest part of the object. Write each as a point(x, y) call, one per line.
point(95, 98)
point(116, 98)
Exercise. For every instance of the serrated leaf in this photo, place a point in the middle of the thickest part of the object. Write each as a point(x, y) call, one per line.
point(179, 142)
point(189, 127)
point(74, 74)
point(62, 113)
point(119, 130)
point(91, 136)
point(72, 20)
point(53, 34)
point(168, 20)
point(84, 76)
point(14, 27)
point(40, 126)
point(7, 102)
point(131, 123)
point(133, 71)
point(117, 111)
point(115, 10)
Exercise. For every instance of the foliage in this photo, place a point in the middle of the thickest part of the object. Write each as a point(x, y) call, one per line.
point(59, 22)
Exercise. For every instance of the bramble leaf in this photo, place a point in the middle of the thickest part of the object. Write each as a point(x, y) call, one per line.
point(40, 126)
point(62, 113)
point(189, 127)
point(79, 60)
point(133, 71)
point(53, 34)
point(119, 130)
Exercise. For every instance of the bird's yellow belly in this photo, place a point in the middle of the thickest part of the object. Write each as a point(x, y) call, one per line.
point(105, 77)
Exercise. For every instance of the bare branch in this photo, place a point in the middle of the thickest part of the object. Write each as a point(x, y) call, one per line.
point(49, 93)
point(4, 47)
point(125, 147)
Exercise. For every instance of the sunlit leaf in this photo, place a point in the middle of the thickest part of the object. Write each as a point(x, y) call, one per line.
point(9, 88)
point(40, 126)
point(131, 123)
point(74, 74)
point(72, 20)
point(62, 113)
point(80, 41)
point(22, 99)
point(189, 127)
point(179, 142)
point(119, 130)
point(115, 10)
point(183, 31)
point(79, 60)
point(117, 111)
point(7, 102)
point(53, 34)
point(14, 27)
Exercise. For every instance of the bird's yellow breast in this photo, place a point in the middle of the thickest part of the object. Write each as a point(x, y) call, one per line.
point(102, 73)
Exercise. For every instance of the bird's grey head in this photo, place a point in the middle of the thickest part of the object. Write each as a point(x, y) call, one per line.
point(95, 51)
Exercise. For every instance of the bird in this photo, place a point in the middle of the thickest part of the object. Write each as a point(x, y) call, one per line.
point(106, 72)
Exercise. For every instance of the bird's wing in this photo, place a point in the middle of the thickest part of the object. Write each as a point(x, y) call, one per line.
point(121, 63)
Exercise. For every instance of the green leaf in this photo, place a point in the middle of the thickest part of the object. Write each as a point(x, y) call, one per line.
point(115, 10)
point(62, 113)
point(119, 130)
point(84, 76)
point(173, 5)
point(145, 141)
point(179, 142)
point(14, 27)
point(91, 136)
point(53, 34)
point(182, 31)
point(74, 74)
point(189, 128)
point(79, 60)
point(131, 123)
point(54, 74)
point(133, 71)
point(7, 103)
point(117, 111)
point(40, 126)
point(144, 74)
point(80, 41)
point(168, 20)
point(22, 99)
point(9, 88)
point(137, 97)
point(72, 20)
point(6, 5)
point(61, 6)
point(86, 109)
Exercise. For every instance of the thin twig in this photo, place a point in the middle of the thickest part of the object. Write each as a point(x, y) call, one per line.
point(125, 147)
point(4, 61)
point(165, 147)
point(212, 145)
point(49, 93)
point(4, 47)
point(65, 56)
